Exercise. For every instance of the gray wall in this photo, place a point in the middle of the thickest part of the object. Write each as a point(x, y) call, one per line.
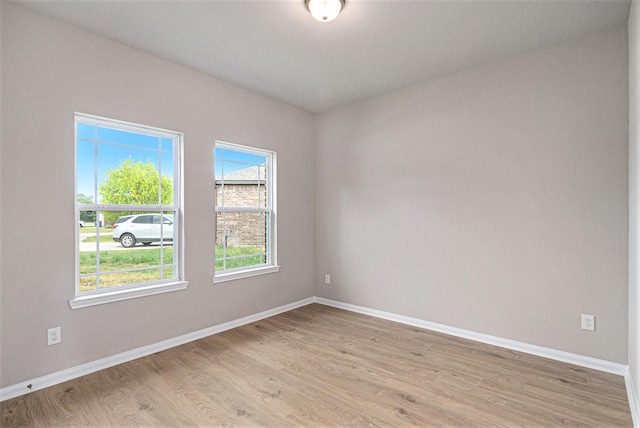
point(634, 197)
point(50, 71)
point(493, 200)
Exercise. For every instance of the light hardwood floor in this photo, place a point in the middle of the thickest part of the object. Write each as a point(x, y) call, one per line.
point(320, 366)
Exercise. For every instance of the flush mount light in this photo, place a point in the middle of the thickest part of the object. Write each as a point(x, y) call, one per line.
point(324, 10)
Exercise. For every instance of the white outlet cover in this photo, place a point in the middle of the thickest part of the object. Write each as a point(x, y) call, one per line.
point(54, 336)
point(588, 322)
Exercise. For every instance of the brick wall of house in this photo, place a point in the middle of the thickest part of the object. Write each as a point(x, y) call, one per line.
point(241, 229)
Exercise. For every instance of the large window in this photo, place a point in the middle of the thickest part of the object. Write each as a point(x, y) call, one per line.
point(245, 211)
point(128, 211)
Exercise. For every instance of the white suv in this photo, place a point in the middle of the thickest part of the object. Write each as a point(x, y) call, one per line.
point(143, 228)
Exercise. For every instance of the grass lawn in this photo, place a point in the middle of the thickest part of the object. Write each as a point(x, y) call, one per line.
point(125, 259)
point(149, 259)
point(103, 238)
point(246, 257)
point(92, 229)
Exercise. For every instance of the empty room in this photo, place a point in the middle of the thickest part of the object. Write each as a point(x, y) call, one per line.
point(320, 213)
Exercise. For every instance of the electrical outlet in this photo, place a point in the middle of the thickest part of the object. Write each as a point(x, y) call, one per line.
point(327, 279)
point(54, 336)
point(588, 322)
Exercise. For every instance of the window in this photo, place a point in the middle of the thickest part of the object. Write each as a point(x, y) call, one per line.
point(245, 212)
point(128, 178)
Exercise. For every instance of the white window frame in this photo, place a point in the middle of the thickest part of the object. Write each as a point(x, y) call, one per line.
point(271, 204)
point(130, 291)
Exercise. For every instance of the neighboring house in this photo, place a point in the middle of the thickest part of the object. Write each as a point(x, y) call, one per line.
point(242, 188)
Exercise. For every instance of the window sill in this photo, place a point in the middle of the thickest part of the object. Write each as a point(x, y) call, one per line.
point(126, 294)
point(246, 273)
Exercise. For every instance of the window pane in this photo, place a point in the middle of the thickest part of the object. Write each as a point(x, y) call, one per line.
point(167, 179)
point(144, 229)
point(167, 165)
point(219, 192)
point(88, 223)
point(167, 145)
point(229, 162)
point(262, 187)
point(87, 283)
point(129, 278)
point(125, 266)
point(243, 188)
point(241, 239)
point(85, 132)
point(240, 172)
point(114, 218)
point(89, 231)
point(109, 135)
point(168, 271)
point(85, 172)
point(128, 176)
point(242, 229)
point(240, 195)
point(239, 156)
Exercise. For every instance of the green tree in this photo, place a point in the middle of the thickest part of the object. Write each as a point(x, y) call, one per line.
point(134, 183)
point(89, 216)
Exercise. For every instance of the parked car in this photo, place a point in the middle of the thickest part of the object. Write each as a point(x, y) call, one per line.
point(122, 219)
point(143, 228)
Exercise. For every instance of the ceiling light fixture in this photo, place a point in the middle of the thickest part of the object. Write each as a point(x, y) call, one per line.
point(324, 10)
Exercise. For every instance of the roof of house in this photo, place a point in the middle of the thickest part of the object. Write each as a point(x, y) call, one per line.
point(245, 176)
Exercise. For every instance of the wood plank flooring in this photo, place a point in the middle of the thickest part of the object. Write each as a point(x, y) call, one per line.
point(321, 366)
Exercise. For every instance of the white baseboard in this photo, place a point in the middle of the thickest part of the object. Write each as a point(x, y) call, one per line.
point(633, 399)
point(94, 366)
point(553, 354)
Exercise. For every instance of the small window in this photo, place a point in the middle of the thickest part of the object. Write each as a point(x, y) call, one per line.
point(127, 178)
point(145, 219)
point(245, 211)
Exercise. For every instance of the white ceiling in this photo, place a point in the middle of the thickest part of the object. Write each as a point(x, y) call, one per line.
point(278, 49)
